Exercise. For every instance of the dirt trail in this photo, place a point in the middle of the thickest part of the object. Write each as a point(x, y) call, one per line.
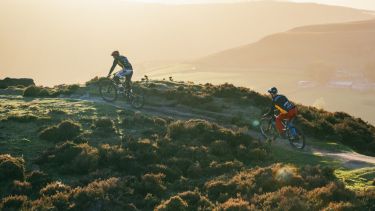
point(348, 159)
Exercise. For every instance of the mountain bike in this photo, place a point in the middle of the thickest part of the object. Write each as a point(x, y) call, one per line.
point(294, 135)
point(109, 90)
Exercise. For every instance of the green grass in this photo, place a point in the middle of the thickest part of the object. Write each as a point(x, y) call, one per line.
point(300, 158)
point(330, 145)
point(357, 179)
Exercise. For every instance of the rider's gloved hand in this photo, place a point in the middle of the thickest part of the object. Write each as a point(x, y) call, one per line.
point(265, 115)
point(109, 75)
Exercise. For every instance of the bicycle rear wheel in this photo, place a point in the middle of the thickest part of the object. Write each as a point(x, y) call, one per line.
point(298, 141)
point(267, 129)
point(137, 97)
point(108, 90)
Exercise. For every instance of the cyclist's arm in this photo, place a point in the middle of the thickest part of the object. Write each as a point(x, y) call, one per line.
point(113, 67)
point(271, 111)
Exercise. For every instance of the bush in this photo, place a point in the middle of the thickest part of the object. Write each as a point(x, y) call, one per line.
point(58, 201)
point(121, 159)
point(339, 206)
point(235, 205)
point(196, 201)
point(54, 188)
point(21, 188)
point(66, 130)
point(152, 183)
point(71, 158)
point(11, 168)
point(202, 131)
point(65, 90)
point(23, 118)
point(38, 179)
point(103, 127)
point(172, 204)
point(36, 91)
point(333, 192)
point(253, 181)
point(11, 203)
point(287, 198)
point(19, 82)
point(98, 195)
point(218, 168)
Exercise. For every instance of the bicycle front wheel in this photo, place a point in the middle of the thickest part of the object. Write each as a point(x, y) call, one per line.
point(298, 141)
point(267, 129)
point(108, 90)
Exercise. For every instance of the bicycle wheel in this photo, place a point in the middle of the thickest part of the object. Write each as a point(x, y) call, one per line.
point(267, 129)
point(136, 98)
point(108, 90)
point(298, 141)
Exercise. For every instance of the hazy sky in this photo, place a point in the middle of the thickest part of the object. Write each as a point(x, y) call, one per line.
point(362, 4)
point(69, 41)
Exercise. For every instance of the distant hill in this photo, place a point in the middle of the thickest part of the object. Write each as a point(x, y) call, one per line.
point(345, 47)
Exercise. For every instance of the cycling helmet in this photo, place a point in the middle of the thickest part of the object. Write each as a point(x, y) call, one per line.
point(115, 53)
point(272, 90)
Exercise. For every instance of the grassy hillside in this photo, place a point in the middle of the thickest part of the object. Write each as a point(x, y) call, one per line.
point(188, 149)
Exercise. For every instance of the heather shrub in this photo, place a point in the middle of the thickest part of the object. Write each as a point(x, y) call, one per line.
point(86, 161)
point(196, 201)
point(188, 200)
point(339, 126)
point(11, 168)
point(186, 97)
point(12, 203)
point(219, 168)
point(316, 176)
point(103, 127)
point(171, 174)
point(37, 179)
point(253, 181)
point(100, 194)
point(54, 188)
point(58, 201)
point(65, 90)
point(367, 199)
point(204, 132)
point(333, 192)
point(235, 204)
point(287, 198)
point(145, 151)
point(172, 204)
point(229, 91)
point(21, 188)
point(66, 130)
point(71, 158)
point(122, 159)
point(19, 82)
point(339, 206)
point(152, 183)
point(36, 91)
point(23, 118)
point(221, 149)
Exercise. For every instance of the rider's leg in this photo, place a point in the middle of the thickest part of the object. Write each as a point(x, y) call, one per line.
point(292, 114)
point(118, 75)
point(278, 121)
point(128, 80)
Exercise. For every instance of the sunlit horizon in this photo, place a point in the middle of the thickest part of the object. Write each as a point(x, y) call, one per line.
point(359, 4)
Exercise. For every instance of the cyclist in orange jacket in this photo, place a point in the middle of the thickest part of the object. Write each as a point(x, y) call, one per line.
point(286, 108)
